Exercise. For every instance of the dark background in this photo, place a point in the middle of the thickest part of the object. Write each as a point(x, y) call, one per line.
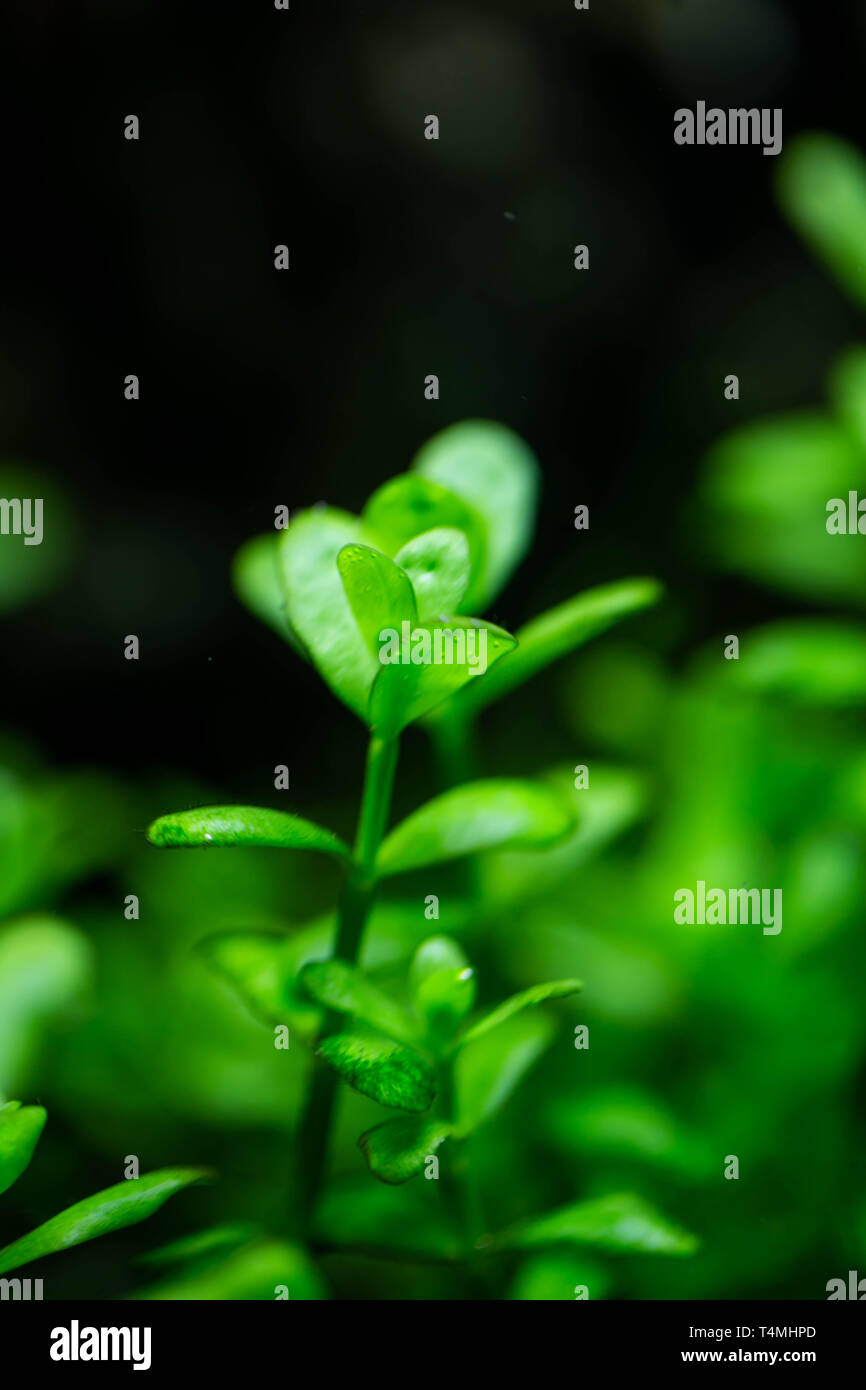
point(258, 388)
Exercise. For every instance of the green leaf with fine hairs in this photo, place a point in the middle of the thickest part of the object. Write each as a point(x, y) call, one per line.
point(393, 1075)
point(493, 814)
point(20, 1128)
point(379, 593)
point(257, 584)
point(622, 1223)
point(443, 988)
point(409, 505)
point(336, 985)
point(526, 999)
point(225, 826)
point(125, 1204)
point(821, 183)
point(403, 693)
point(487, 1071)
point(553, 635)
point(496, 474)
point(398, 1149)
point(317, 606)
point(259, 1271)
point(437, 563)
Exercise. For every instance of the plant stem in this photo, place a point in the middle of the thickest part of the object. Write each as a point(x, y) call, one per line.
point(352, 913)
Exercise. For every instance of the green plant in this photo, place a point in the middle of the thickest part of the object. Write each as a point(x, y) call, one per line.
point(431, 547)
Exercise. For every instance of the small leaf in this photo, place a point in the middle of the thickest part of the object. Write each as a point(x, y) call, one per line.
point(408, 506)
point(848, 392)
point(344, 988)
point(258, 966)
point(45, 965)
point(494, 814)
point(20, 1128)
point(822, 189)
point(398, 1149)
point(379, 593)
point(388, 1073)
point(256, 582)
point(496, 474)
point(201, 1244)
point(437, 563)
point(807, 661)
point(556, 1275)
point(404, 692)
point(527, 999)
point(557, 632)
point(487, 1071)
point(125, 1204)
point(317, 606)
point(622, 1223)
point(255, 1272)
point(443, 987)
point(220, 826)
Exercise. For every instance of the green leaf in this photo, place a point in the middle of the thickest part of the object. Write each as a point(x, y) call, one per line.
point(810, 662)
point(256, 581)
point(848, 392)
point(487, 1071)
point(259, 967)
point(821, 183)
point(20, 1128)
point(437, 563)
point(45, 966)
point(221, 826)
point(443, 988)
point(317, 606)
point(494, 814)
point(202, 1244)
point(385, 1071)
point(408, 506)
point(344, 988)
point(379, 593)
point(125, 1204)
point(556, 633)
point(555, 1276)
point(255, 1272)
point(398, 1149)
point(527, 999)
point(403, 693)
point(496, 474)
point(622, 1223)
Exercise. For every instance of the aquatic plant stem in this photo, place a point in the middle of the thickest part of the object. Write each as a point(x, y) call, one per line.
point(353, 910)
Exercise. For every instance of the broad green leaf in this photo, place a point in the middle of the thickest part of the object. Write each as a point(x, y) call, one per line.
point(345, 988)
point(437, 563)
point(369, 1217)
point(122, 1205)
point(218, 826)
point(442, 658)
point(260, 968)
point(622, 1223)
point(555, 633)
point(20, 1128)
point(807, 661)
point(317, 606)
point(821, 183)
point(527, 999)
point(379, 593)
point(487, 1071)
point(202, 1244)
point(443, 988)
point(398, 1149)
point(268, 1269)
point(385, 1071)
point(848, 392)
point(496, 474)
point(560, 1275)
point(763, 505)
point(409, 505)
point(257, 584)
point(494, 814)
point(45, 967)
